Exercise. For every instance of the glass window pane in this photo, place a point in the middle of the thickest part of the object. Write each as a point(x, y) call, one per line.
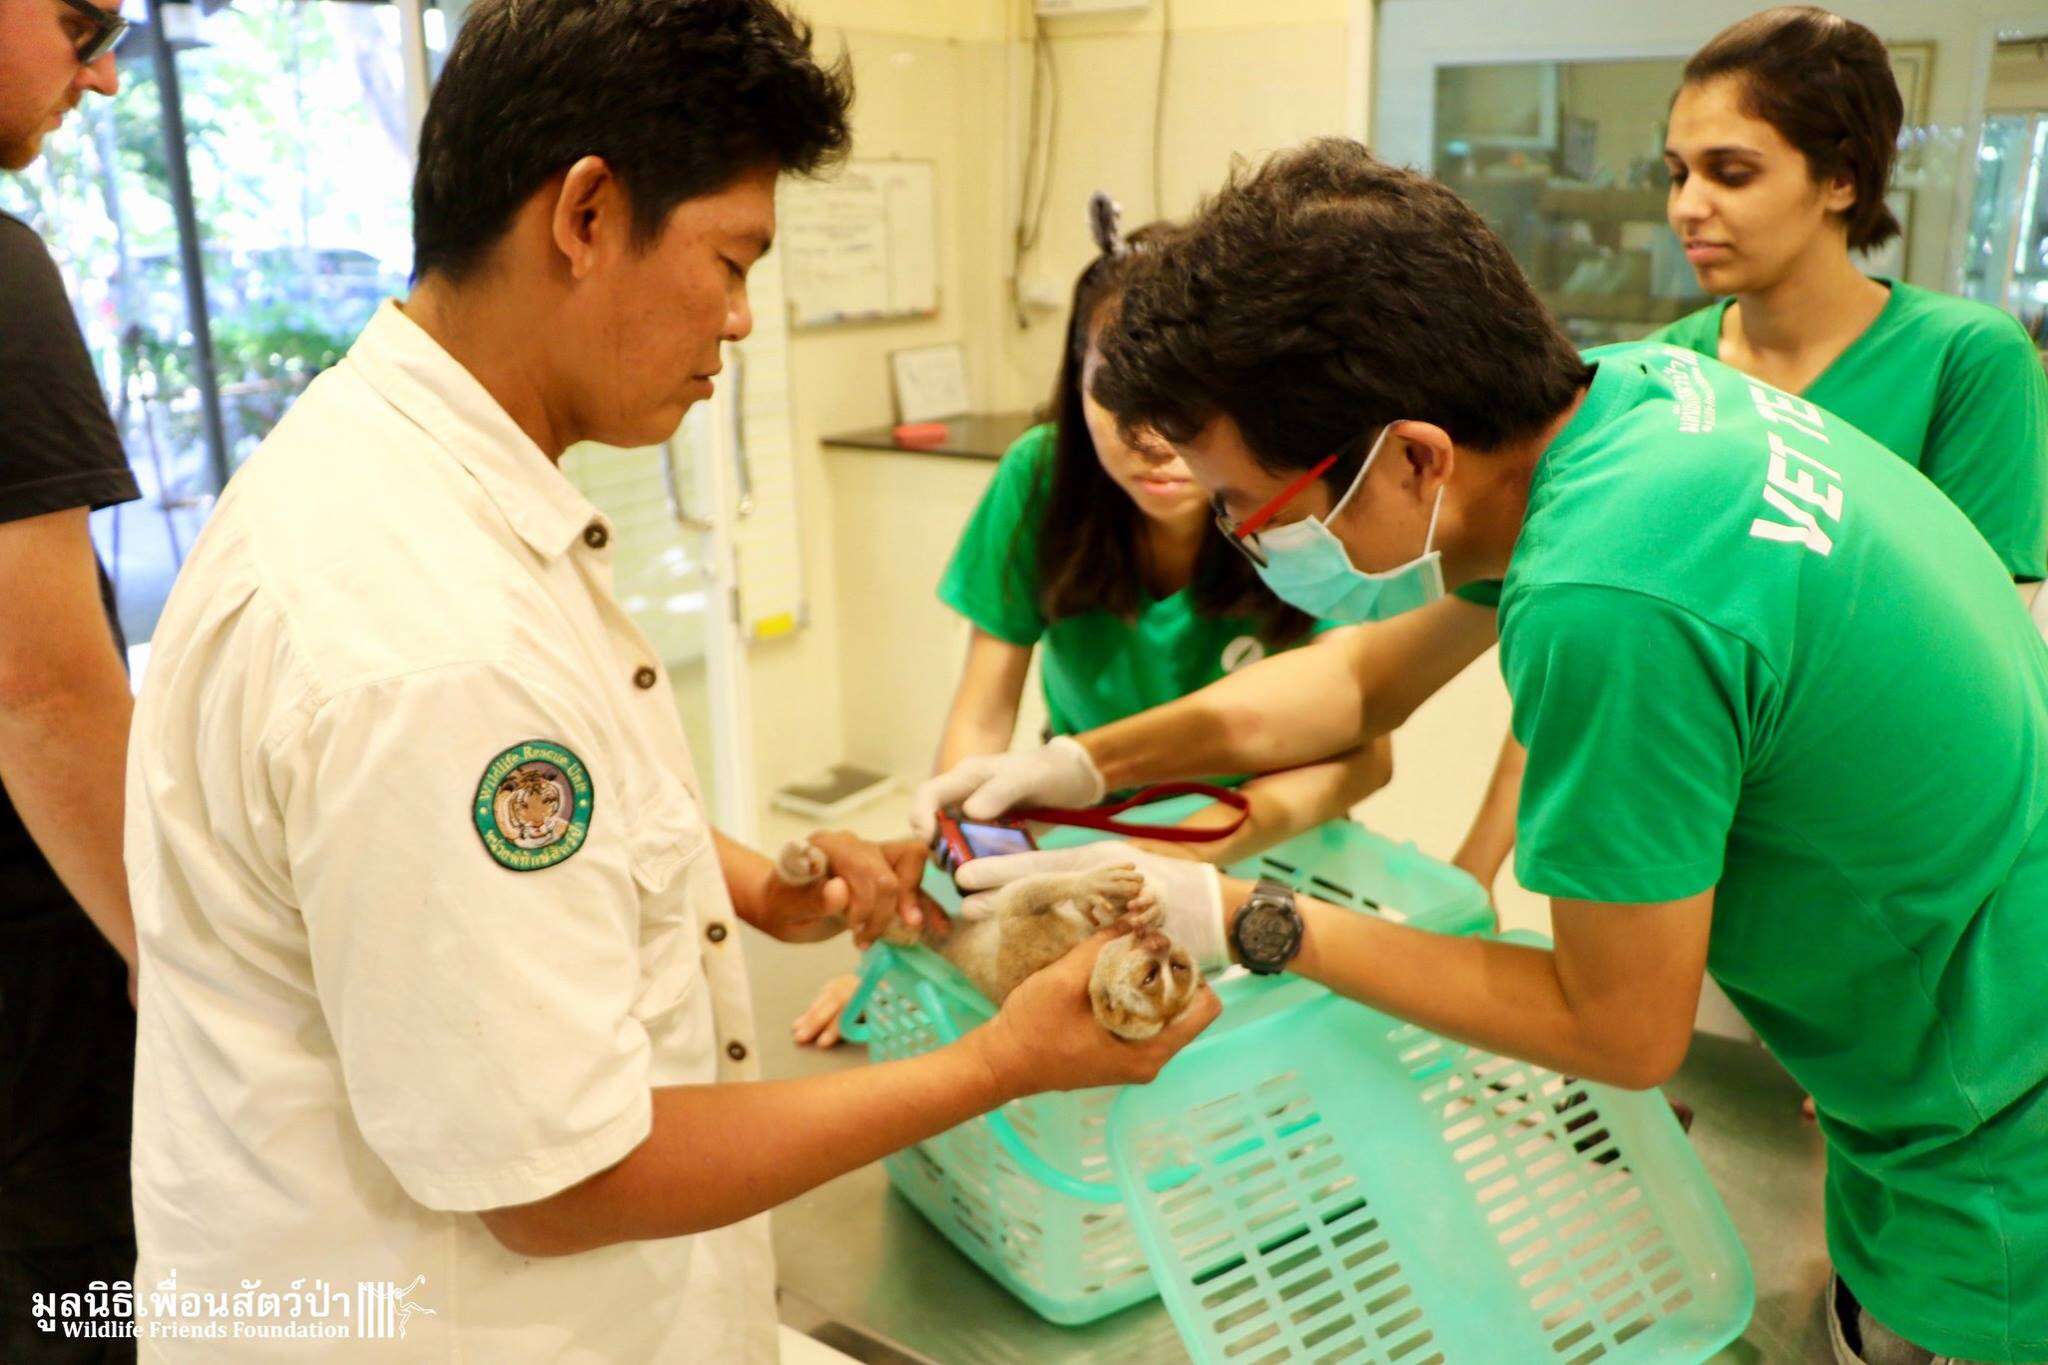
point(301, 171)
point(1565, 160)
point(2005, 262)
point(301, 157)
point(441, 18)
point(100, 199)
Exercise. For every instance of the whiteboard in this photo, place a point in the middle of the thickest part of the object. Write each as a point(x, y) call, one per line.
point(861, 245)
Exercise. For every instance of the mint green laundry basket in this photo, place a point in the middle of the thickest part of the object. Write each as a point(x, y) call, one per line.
point(1336, 1185)
point(1028, 1193)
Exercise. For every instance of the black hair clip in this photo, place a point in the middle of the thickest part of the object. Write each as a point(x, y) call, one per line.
point(1104, 224)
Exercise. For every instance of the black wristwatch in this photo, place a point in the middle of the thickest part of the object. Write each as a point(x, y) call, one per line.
point(1267, 932)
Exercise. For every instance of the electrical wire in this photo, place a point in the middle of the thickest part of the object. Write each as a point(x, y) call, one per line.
point(1159, 110)
point(1038, 173)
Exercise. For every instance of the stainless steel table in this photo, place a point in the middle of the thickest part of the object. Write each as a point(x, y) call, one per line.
point(861, 1268)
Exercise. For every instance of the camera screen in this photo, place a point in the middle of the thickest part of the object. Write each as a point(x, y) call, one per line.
point(990, 841)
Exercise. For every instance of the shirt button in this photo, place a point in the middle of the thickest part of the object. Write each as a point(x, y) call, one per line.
point(644, 677)
point(595, 536)
point(716, 933)
point(736, 1051)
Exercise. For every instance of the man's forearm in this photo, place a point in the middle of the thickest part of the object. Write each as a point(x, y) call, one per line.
point(1503, 997)
point(63, 759)
point(1294, 708)
point(1286, 803)
point(721, 1153)
point(1299, 707)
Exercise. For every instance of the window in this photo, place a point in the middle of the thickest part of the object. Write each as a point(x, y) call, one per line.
point(1552, 124)
point(2007, 259)
point(1565, 159)
point(299, 150)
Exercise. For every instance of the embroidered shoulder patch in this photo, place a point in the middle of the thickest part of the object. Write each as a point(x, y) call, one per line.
point(532, 806)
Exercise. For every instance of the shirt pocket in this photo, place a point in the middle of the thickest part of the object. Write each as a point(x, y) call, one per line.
point(667, 840)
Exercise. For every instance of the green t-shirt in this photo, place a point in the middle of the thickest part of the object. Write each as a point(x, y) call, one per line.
point(1750, 649)
point(1953, 387)
point(1098, 667)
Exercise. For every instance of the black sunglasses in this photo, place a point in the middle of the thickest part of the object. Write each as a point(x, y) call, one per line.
point(108, 29)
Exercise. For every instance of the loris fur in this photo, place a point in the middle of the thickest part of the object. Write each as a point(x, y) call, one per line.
point(1142, 979)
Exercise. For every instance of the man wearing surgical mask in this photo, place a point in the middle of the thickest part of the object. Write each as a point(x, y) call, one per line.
point(1751, 654)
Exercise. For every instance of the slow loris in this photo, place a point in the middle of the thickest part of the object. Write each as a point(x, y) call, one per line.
point(1141, 982)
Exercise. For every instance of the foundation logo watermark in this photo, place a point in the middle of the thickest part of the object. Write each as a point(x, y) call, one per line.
point(305, 1310)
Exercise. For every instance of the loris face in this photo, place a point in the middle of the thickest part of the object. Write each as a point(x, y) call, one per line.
point(1141, 983)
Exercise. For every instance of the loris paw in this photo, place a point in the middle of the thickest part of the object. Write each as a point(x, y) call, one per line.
point(801, 862)
point(1141, 915)
point(1094, 898)
point(1106, 894)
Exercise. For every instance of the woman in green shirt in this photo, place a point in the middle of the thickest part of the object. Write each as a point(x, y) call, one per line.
point(1102, 559)
point(1780, 147)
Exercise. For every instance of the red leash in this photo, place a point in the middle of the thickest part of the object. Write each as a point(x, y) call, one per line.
point(1104, 817)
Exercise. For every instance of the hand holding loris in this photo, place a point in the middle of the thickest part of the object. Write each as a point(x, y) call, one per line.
point(1141, 982)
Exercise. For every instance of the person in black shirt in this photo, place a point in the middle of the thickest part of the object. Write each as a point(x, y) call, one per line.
point(67, 1049)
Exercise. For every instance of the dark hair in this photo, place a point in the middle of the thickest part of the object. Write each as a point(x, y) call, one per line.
point(1323, 295)
point(679, 97)
point(1091, 539)
point(1826, 84)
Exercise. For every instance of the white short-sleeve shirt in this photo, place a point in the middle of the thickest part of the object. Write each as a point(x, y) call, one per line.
point(426, 895)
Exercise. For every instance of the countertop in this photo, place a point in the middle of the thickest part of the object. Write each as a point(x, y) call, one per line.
point(861, 1269)
point(977, 436)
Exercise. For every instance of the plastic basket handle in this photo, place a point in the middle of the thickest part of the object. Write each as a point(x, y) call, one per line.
point(1006, 1135)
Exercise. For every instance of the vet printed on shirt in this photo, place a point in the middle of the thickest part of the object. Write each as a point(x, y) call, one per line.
point(1756, 654)
point(1954, 388)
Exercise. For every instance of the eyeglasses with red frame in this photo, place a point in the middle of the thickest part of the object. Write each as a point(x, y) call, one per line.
point(1244, 535)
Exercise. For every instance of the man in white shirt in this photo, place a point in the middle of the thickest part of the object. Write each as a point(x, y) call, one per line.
point(445, 1011)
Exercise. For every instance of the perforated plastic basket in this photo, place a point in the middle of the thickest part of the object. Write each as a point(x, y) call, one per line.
point(1028, 1192)
point(1340, 1186)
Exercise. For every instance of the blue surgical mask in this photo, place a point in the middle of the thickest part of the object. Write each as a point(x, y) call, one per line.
point(1309, 568)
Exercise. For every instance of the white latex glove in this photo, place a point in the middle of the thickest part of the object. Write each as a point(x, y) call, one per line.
point(1189, 893)
point(985, 786)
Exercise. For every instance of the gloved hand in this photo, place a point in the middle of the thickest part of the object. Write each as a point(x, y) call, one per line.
point(1190, 894)
point(983, 787)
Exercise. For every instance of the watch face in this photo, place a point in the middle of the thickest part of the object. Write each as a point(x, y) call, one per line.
point(1267, 935)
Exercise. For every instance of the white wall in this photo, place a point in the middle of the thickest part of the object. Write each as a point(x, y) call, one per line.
point(1241, 80)
point(928, 79)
